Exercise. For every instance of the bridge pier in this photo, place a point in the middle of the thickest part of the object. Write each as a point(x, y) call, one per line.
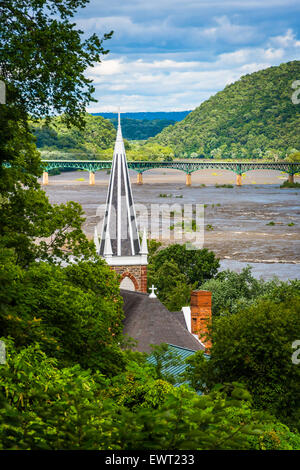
point(45, 178)
point(139, 178)
point(291, 178)
point(239, 180)
point(92, 178)
point(188, 179)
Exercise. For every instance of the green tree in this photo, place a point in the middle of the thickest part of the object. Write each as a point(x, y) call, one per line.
point(173, 288)
point(220, 420)
point(232, 291)
point(56, 138)
point(46, 407)
point(36, 229)
point(153, 247)
point(196, 265)
point(43, 62)
point(141, 129)
point(141, 385)
point(149, 151)
point(254, 347)
point(43, 57)
point(75, 313)
point(293, 157)
point(163, 358)
point(51, 408)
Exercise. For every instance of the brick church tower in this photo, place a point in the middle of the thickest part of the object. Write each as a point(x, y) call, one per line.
point(119, 244)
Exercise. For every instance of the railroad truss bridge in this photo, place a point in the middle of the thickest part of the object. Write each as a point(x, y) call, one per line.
point(188, 167)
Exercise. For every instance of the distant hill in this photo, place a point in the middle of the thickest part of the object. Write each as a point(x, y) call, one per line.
point(253, 117)
point(56, 138)
point(137, 129)
point(97, 139)
point(142, 126)
point(171, 115)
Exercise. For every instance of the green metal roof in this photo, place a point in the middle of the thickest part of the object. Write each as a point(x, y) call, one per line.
point(177, 370)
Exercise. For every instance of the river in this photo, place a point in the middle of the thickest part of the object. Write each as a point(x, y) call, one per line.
point(256, 224)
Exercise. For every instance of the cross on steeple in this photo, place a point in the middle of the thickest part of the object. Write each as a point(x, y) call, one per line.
point(152, 295)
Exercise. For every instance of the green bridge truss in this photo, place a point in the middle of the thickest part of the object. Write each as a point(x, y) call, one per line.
point(188, 167)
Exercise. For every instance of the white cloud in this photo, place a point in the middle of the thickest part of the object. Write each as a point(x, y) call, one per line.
point(287, 40)
point(163, 83)
point(272, 53)
point(161, 33)
point(232, 33)
point(107, 67)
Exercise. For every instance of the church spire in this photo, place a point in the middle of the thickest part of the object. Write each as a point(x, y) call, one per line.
point(120, 219)
point(119, 144)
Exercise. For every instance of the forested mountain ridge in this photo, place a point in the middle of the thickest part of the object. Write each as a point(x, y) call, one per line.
point(253, 117)
point(99, 134)
point(141, 129)
point(170, 115)
point(96, 141)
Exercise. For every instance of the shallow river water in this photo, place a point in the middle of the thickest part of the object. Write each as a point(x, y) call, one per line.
point(236, 219)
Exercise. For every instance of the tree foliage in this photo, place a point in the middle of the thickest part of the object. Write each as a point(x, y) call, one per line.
point(173, 288)
point(42, 51)
point(43, 61)
point(232, 291)
point(51, 408)
point(254, 347)
point(196, 265)
point(75, 313)
point(176, 270)
point(66, 383)
point(149, 151)
point(56, 139)
point(142, 129)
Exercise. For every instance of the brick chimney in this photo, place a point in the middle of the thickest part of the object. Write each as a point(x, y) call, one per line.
point(201, 315)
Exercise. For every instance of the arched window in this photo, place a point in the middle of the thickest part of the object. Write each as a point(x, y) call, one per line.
point(127, 284)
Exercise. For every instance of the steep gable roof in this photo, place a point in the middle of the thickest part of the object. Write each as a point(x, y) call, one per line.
point(148, 321)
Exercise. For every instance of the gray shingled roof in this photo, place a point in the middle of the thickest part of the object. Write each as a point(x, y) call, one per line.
point(148, 321)
point(180, 317)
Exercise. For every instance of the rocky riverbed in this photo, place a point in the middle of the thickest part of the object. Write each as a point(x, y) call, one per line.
point(255, 223)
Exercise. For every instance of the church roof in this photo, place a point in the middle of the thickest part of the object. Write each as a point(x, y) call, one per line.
point(148, 321)
point(119, 231)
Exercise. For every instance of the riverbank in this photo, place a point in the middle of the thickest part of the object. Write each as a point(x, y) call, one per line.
point(267, 271)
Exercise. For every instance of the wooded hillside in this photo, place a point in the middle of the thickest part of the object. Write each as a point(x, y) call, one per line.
point(253, 117)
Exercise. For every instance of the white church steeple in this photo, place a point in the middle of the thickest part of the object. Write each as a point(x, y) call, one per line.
point(119, 244)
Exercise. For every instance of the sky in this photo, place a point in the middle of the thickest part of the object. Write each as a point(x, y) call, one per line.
point(171, 55)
